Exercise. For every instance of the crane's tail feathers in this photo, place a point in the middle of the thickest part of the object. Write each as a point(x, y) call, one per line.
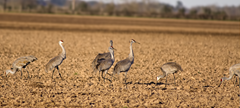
point(46, 69)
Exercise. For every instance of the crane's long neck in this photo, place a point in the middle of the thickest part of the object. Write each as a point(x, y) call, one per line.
point(230, 76)
point(13, 71)
point(63, 54)
point(161, 76)
point(112, 55)
point(131, 55)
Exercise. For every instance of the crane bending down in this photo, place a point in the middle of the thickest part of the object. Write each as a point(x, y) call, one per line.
point(124, 65)
point(169, 68)
point(105, 64)
point(56, 61)
point(20, 63)
point(101, 56)
point(234, 70)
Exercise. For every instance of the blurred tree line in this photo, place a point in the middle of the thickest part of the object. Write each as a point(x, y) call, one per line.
point(132, 8)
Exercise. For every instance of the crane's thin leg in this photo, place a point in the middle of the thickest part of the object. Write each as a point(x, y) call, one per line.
point(102, 76)
point(94, 71)
point(27, 72)
point(106, 71)
point(112, 76)
point(99, 76)
point(235, 81)
point(53, 72)
point(166, 81)
point(174, 79)
point(21, 73)
point(239, 88)
point(59, 72)
point(126, 79)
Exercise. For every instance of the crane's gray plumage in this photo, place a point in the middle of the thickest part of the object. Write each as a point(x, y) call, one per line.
point(56, 61)
point(20, 63)
point(101, 56)
point(169, 68)
point(124, 65)
point(234, 70)
point(105, 64)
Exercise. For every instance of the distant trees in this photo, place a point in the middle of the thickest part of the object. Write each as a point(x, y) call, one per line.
point(133, 8)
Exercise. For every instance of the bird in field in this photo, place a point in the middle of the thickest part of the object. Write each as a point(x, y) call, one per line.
point(101, 56)
point(20, 63)
point(56, 61)
point(234, 70)
point(105, 64)
point(124, 65)
point(169, 68)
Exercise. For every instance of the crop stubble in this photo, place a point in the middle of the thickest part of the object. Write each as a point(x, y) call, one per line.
point(205, 51)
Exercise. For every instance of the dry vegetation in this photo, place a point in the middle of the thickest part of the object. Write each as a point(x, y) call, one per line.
point(204, 49)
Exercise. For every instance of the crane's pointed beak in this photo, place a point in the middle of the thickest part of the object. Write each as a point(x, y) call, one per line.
point(137, 42)
point(114, 48)
point(220, 84)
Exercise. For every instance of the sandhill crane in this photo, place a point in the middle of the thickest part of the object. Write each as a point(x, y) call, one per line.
point(20, 63)
point(234, 70)
point(101, 56)
point(169, 68)
point(56, 61)
point(104, 64)
point(124, 65)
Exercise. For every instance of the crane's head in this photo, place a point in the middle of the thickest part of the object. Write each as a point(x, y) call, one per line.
point(133, 41)
point(158, 78)
point(111, 43)
point(61, 41)
point(221, 80)
point(7, 71)
point(111, 48)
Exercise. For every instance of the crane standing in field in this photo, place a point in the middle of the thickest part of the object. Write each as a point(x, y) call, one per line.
point(20, 63)
point(169, 68)
point(105, 64)
point(101, 56)
point(234, 70)
point(124, 65)
point(56, 61)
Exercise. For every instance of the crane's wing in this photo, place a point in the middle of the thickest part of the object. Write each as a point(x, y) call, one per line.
point(105, 64)
point(123, 65)
point(99, 58)
point(21, 62)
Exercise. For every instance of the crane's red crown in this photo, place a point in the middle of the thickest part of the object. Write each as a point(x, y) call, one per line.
point(61, 40)
point(221, 80)
point(133, 39)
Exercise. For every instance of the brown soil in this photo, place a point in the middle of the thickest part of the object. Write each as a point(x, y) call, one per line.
point(205, 51)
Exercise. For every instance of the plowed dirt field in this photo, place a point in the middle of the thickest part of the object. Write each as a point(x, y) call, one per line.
point(204, 49)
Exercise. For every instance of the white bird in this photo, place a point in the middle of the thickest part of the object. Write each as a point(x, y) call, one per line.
point(56, 61)
point(124, 65)
point(101, 56)
point(105, 64)
point(234, 70)
point(20, 63)
point(169, 68)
